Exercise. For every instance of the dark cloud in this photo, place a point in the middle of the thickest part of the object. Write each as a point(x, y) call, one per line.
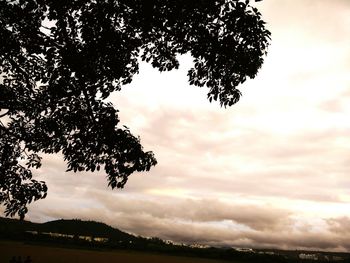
point(206, 210)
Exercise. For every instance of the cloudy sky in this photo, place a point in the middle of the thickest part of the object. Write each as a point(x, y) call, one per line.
point(271, 171)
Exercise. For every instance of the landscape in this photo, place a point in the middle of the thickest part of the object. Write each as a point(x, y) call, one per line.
point(89, 241)
point(174, 131)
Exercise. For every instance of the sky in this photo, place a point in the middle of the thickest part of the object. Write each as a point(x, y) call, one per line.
point(271, 171)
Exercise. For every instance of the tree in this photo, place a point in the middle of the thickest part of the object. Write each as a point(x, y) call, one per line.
point(60, 61)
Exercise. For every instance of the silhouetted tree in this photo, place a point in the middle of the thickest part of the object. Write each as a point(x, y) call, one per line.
point(60, 61)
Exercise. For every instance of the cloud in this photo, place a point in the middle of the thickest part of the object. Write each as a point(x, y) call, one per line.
point(305, 19)
point(203, 210)
point(339, 225)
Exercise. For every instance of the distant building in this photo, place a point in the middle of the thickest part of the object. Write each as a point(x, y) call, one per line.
point(308, 256)
point(170, 242)
point(101, 239)
point(199, 246)
point(57, 235)
point(87, 238)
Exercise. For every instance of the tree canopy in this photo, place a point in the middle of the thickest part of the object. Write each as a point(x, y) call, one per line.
point(60, 61)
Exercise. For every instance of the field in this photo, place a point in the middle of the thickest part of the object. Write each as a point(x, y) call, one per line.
point(47, 254)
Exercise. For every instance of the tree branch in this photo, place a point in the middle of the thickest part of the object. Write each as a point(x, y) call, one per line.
point(16, 66)
point(87, 100)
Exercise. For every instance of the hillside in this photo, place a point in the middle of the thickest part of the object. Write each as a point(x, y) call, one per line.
point(69, 227)
point(85, 228)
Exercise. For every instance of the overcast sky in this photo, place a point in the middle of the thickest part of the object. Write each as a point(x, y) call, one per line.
point(271, 171)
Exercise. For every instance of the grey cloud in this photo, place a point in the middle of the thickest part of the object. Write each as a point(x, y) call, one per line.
point(339, 225)
point(285, 166)
point(205, 210)
point(311, 241)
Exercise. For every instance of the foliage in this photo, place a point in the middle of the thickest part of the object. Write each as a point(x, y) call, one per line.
point(60, 61)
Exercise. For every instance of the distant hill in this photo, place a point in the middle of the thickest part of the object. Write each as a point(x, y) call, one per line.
point(85, 228)
point(69, 227)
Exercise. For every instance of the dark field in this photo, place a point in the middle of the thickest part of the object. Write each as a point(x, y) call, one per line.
point(46, 254)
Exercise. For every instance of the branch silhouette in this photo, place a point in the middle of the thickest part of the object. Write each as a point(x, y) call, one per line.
point(54, 84)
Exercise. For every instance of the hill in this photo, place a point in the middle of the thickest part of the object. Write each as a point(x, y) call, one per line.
point(75, 227)
point(85, 228)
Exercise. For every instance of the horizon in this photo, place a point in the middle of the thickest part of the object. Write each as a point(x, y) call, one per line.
point(172, 242)
point(269, 171)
